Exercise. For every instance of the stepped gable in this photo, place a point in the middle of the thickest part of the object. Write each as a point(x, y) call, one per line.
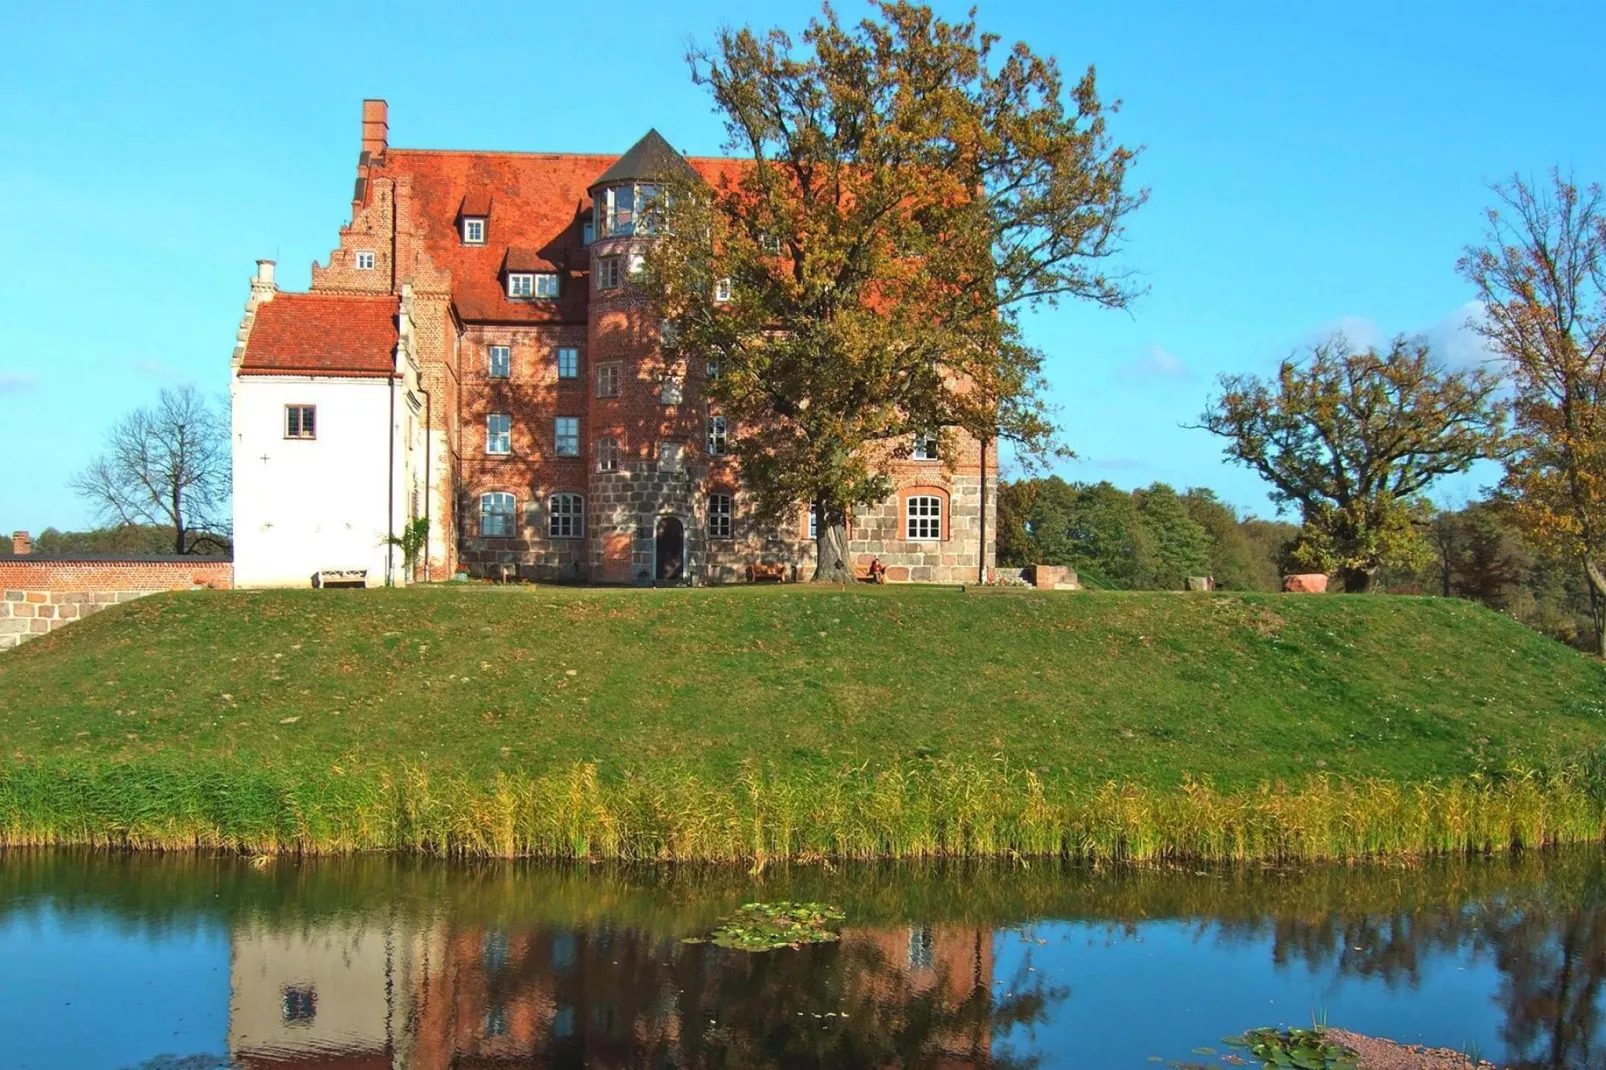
point(533, 204)
point(322, 334)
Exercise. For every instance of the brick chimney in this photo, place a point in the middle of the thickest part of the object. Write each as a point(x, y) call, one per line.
point(21, 543)
point(375, 127)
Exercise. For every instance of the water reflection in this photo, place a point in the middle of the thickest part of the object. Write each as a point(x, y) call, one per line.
point(403, 964)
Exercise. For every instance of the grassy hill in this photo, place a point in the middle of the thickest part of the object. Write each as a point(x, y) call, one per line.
point(322, 690)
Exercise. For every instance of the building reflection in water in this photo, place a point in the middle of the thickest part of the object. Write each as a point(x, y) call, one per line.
point(431, 996)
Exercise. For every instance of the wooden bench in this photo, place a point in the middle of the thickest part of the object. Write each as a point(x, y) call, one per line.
point(861, 573)
point(766, 572)
point(340, 577)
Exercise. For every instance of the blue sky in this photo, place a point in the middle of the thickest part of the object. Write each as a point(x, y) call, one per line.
point(1312, 167)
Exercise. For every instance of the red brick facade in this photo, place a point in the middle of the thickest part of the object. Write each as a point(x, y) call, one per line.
point(532, 213)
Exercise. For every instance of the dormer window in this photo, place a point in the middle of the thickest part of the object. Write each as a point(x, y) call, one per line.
point(546, 284)
point(588, 231)
point(473, 230)
point(520, 284)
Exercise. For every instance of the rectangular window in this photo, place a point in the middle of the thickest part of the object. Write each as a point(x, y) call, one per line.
point(925, 518)
point(718, 440)
point(474, 231)
point(607, 380)
point(566, 516)
point(365, 260)
point(814, 522)
point(521, 284)
point(607, 454)
point(501, 362)
point(499, 433)
point(588, 231)
point(770, 243)
point(566, 436)
point(722, 291)
point(608, 273)
point(300, 1003)
point(712, 369)
point(546, 285)
point(669, 456)
point(496, 515)
point(670, 391)
point(619, 211)
point(638, 263)
point(926, 447)
point(301, 421)
point(649, 209)
point(568, 362)
point(720, 521)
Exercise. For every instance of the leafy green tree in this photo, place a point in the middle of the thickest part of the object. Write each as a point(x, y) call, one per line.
point(910, 190)
point(1353, 439)
point(1179, 545)
point(1236, 562)
point(1541, 279)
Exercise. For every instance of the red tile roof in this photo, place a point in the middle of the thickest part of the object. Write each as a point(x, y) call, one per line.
point(536, 204)
point(322, 334)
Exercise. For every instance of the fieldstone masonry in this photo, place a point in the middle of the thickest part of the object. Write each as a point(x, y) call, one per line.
point(40, 594)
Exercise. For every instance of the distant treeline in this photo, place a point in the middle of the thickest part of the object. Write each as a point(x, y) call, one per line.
point(139, 539)
point(1154, 538)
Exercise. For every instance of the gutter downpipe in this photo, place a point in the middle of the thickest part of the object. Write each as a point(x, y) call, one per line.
point(390, 491)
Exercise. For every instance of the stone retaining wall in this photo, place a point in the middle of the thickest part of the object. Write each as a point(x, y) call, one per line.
point(40, 594)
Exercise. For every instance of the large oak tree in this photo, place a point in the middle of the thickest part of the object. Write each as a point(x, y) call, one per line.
point(1353, 439)
point(911, 188)
point(1541, 278)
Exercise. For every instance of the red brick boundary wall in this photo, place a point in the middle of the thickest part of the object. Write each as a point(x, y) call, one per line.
point(39, 594)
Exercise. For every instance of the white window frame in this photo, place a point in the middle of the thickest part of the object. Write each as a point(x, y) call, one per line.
point(474, 230)
point(506, 353)
point(671, 391)
point(520, 284)
point(718, 436)
point(566, 433)
point(922, 522)
point(302, 434)
point(722, 291)
point(927, 447)
point(572, 355)
point(670, 456)
point(608, 272)
point(608, 380)
point(493, 437)
point(511, 515)
point(721, 516)
point(606, 452)
point(365, 260)
point(566, 516)
point(546, 285)
point(814, 522)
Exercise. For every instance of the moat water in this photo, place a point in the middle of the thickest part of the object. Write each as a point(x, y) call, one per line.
point(204, 962)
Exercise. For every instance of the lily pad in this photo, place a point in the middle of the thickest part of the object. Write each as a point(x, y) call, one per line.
point(767, 926)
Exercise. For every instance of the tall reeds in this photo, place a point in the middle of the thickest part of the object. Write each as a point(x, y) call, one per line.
point(930, 810)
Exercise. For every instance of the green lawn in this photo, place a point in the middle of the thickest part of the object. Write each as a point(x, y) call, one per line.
point(1083, 687)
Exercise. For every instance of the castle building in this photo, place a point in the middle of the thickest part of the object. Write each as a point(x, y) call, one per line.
point(474, 354)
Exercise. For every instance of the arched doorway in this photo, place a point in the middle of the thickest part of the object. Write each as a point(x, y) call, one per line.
point(669, 550)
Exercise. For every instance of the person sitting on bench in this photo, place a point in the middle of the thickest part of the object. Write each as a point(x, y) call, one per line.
point(878, 571)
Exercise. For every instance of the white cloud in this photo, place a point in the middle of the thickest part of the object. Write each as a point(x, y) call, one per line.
point(16, 382)
point(1455, 338)
point(1157, 363)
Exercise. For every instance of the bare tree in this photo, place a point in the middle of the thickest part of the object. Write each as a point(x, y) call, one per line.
point(166, 465)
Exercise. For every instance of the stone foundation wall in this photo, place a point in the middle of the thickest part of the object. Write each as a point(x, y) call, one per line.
point(40, 594)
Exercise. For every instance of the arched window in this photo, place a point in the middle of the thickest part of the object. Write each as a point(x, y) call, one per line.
point(721, 516)
point(607, 453)
point(496, 515)
point(923, 518)
point(566, 517)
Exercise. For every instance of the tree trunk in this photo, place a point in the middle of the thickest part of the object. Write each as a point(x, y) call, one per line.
point(831, 564)
point(1356, 580)
point(1597, 604)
